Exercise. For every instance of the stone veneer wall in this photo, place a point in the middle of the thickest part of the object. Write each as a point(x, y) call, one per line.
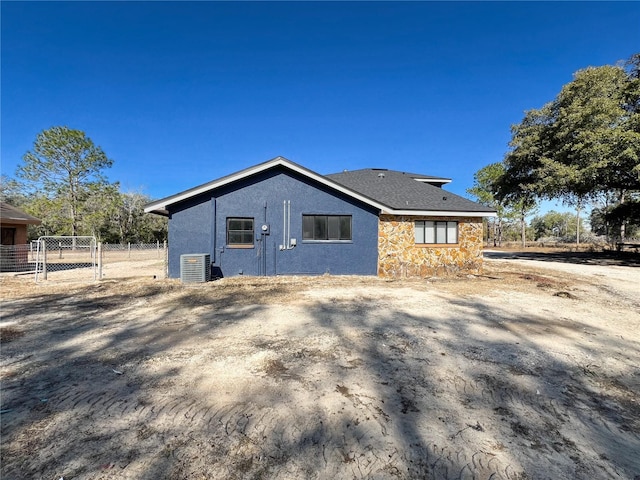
point(399, 256)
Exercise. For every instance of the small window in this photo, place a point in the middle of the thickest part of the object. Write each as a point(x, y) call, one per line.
point(427, 231)
point(240, 232)
point(326, 227)
point(8, 236)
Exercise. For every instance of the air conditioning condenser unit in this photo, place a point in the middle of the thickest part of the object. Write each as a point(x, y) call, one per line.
point(195, 268)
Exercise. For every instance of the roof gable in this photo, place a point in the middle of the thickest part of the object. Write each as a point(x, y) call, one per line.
point(360, 185)
point(161, 206)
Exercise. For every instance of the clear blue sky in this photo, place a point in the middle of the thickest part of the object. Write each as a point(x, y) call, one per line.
point(178, 94)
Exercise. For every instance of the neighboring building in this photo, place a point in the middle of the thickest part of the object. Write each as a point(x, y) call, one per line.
point(279, 218)
point(13, 225)
point(13, 234)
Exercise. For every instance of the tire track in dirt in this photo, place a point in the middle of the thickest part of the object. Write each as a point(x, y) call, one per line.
point(72, 416)
point(363, 448)
point(508, 397)
point(368, 451)
point(367, 446)
point(526, 410)
point(450, 464)
point(258, 432)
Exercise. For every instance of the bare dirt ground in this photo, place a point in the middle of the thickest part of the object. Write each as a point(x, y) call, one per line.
point(529, 371)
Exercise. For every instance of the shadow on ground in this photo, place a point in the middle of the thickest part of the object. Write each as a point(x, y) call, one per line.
point(623, 259)
point(396, 381)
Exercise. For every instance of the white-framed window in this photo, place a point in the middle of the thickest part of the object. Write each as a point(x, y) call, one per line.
point(240, 232)
point(436, 232)
point(326, 227)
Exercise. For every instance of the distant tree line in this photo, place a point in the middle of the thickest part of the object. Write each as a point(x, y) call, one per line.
point(61, 181)
point(582, 148)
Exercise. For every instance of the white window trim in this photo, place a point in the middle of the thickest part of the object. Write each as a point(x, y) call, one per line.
point(420, 231)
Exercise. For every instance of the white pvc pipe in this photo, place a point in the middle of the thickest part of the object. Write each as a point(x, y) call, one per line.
point(284, 224)
point(288, 223)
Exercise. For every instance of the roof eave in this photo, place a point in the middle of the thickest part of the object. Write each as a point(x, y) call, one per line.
point(158, 211)
point(20, 221)
point(160, 207)
point(437, 213)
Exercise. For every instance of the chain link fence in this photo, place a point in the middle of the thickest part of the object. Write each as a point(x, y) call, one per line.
point(133, 260)
point(62, 259)
point(18, 258)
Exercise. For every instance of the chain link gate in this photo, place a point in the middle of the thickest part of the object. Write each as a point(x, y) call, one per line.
point(66, 257)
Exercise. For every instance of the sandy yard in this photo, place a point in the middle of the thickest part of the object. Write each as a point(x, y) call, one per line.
point(530, 371)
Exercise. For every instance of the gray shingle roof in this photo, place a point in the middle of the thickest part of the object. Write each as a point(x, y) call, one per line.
point(401, 191)
point(389, 192)
point(11, 214)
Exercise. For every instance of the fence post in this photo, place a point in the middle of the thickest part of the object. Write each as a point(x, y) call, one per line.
point(166, 259)
point(129, 249)
point(44, 259)
point(99, 255)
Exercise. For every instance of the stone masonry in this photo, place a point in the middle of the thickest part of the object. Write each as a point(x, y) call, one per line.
point(399, 256)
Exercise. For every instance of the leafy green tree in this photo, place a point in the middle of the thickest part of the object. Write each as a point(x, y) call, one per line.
point(100, 206)
point(584, 143)
point(11, 191)
point(493, 187)
point(551, 224)
point(64, 185)
point(65, 165)
point(512, 229)
point(130, 216)
point(134, 225)
point(610, 219)
point(484, 188)
point(153, 228)
point(560, 225)
point(521, 209)
point(50, 211)
point(519, 199)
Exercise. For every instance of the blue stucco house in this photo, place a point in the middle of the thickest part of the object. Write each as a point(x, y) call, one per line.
point(280, 218)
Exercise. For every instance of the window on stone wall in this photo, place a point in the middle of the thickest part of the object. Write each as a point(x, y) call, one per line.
point(326, 227)
point(428, 231)
point(240, 232)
